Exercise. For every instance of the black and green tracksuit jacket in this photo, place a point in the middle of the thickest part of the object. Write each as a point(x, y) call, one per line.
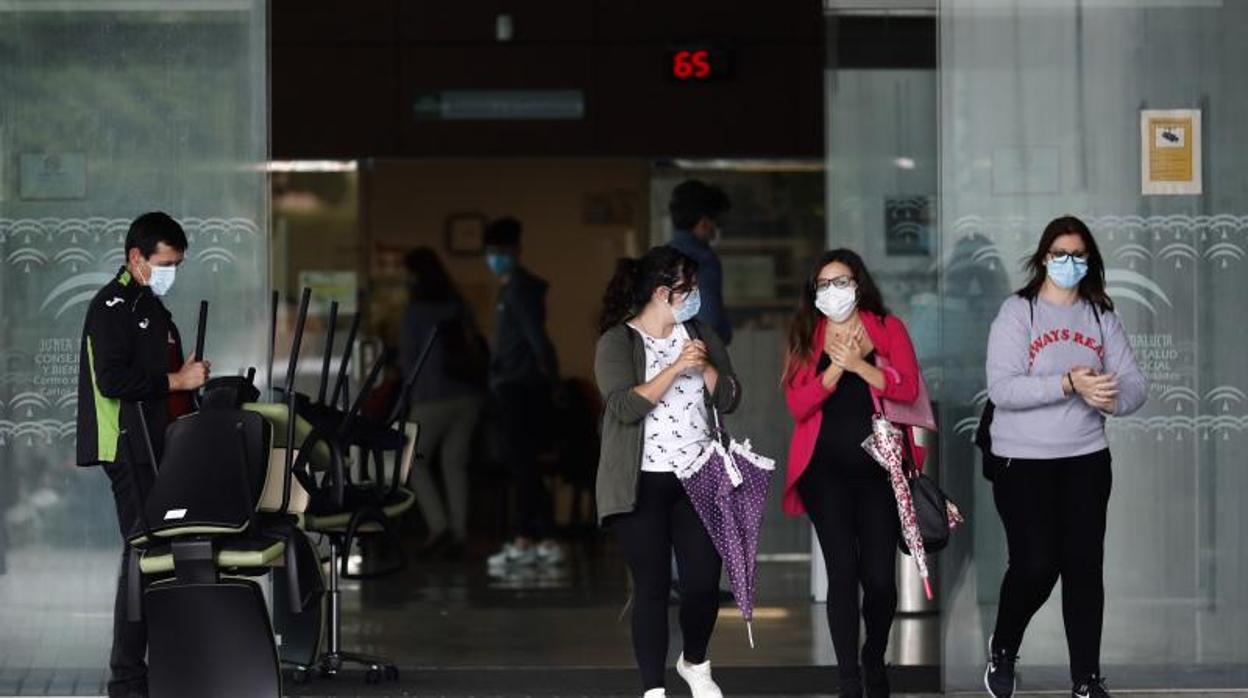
point(124, 359)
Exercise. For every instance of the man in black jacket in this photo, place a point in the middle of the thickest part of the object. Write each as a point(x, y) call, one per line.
point(131, 353)
point(523, 368)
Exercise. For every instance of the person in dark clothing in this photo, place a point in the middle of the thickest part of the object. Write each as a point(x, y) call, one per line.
point(831, 384)
point(523, 368)
point(696, 208)
point(447, 398)
point(131, 352)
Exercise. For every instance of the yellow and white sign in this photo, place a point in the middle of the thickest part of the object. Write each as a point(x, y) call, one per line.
point(1170, 151)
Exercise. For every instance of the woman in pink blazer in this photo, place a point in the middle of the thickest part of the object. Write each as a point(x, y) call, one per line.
point(831, 380)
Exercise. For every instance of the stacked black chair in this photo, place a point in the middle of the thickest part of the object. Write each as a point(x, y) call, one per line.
point(347, 506)
point(204, 536)
point(343, 507)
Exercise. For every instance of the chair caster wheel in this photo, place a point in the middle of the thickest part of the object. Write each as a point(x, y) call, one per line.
point(372, 676)
point(300, 675)
point(392, 673)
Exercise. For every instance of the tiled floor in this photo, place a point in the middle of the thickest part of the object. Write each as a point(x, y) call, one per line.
point(458, 631)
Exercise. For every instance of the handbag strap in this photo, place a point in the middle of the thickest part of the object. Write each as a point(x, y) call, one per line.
point(718, 425)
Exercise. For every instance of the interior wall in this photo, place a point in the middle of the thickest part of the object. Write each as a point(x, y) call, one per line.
point(579, 215)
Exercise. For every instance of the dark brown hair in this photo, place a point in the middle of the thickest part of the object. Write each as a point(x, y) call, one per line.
point(635, 280)
point(1092, 288)
point(802, 346)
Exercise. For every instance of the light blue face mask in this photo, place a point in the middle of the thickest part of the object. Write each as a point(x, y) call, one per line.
point(161, 279)
point(1068, 272)
point(500, 263)
point(689, 309)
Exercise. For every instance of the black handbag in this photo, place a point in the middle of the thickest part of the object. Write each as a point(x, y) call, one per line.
point(992, 464)
point(931, 510)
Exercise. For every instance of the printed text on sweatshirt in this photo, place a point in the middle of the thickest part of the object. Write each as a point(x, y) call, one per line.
point(1032, 346)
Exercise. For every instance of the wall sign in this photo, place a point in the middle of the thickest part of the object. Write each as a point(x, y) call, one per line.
point(1170, 157)
point(53, 176)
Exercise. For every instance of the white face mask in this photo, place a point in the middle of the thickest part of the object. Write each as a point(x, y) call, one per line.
point(162, 279)
point(837, 303)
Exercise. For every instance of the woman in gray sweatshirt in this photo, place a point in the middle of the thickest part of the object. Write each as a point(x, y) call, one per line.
point(1059, 364)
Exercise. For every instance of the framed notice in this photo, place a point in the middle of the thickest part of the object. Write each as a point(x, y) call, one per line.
point(52, 176)
point(1170, 150)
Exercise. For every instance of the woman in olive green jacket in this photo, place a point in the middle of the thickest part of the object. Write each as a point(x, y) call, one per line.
point(659, 370)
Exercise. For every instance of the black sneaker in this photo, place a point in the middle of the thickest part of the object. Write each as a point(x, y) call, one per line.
point(850, 688)
point(999, 677)
point(1091, 687)
point(876, 680)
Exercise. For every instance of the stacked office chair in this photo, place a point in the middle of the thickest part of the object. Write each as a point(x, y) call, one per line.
point(240, 484)
point(212, 521)
point(345, 506)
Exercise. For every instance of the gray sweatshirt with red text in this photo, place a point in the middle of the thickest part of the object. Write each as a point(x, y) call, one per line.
point(1031, 347)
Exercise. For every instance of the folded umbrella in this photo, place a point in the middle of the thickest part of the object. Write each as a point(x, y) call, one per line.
point(887, 445)
point(728, 486)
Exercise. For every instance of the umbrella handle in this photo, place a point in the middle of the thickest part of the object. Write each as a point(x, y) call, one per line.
point(927, 588)
point(749, 630)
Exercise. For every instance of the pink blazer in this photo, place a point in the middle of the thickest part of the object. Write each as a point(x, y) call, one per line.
point(805, 394)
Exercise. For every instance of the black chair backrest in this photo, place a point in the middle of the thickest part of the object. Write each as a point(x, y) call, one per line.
point(212, 472)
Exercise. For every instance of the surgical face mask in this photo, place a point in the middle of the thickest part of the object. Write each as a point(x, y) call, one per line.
point(1067, 271)
point(837, 303)
point(499, 263)
point(161, 279)
point(689, 309)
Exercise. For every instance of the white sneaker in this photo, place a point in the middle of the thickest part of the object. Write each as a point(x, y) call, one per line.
point(511, 554)
point(550, 552)
point(698, 676)
point(656, 693)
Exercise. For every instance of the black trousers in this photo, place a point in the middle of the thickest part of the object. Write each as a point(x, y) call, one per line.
point(524, 410)
point(128, 663)
point(664, 520)
point(1054, 514)
point(856, 521)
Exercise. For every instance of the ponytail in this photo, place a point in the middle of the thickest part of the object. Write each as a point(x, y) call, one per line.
point(617, 302)
point(634, 282)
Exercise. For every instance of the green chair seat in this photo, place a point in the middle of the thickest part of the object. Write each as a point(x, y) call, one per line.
point(337, 522)
point(243, 553)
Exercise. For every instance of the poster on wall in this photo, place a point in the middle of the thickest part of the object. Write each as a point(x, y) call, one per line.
point(1170, 151)
point(328, 286)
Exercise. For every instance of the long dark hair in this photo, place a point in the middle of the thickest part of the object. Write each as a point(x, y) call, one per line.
point(429, 281)
point(802, 344)
point(635, 280)
point(1092, 288)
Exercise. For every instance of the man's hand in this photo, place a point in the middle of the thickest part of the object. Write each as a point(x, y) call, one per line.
point(193, 375)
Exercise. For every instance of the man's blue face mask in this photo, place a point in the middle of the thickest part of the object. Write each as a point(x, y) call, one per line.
point(501, 263)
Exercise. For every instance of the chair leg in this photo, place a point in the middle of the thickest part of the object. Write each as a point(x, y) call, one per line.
point(376, 669)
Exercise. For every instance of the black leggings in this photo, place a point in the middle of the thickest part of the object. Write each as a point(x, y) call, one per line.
point(856, 521)
point(1054, 515)
point(664, 520)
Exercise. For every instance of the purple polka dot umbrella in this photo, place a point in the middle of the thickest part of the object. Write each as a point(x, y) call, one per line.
point(728, 487)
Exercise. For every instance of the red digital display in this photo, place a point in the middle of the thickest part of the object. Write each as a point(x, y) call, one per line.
point(696, 63)
point(691, 65)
